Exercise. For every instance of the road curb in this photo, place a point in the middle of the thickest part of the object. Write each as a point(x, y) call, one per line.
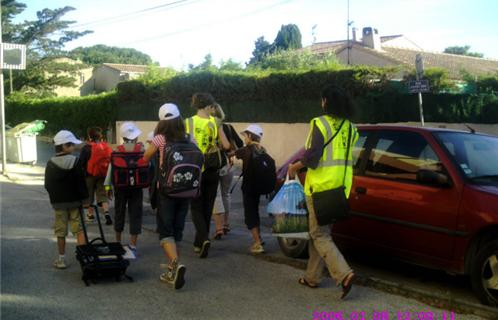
point(435, 300)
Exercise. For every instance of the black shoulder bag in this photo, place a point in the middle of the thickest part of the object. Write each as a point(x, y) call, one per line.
point(332, 205)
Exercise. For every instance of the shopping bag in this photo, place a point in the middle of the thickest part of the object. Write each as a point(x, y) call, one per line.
point(288, 208)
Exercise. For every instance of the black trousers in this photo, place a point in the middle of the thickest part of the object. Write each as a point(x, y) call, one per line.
point(133, 200)
point(202, 207)
point(251, 209)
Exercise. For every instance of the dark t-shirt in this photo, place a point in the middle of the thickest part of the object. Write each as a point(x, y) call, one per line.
point(245, 154)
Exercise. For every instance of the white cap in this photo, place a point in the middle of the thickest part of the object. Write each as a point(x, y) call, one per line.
point(168, 111)
point(130, 131)
point(150, 136)
point(64, 136)
point(254, 129)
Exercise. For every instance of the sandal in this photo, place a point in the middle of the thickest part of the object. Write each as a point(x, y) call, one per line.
point(346, 288)
point(226, 228)
point(219, 234)
point(303, 282)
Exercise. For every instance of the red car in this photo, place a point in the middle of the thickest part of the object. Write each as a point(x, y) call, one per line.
point(426, 196)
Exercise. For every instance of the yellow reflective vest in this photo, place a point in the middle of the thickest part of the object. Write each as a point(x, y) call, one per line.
point(329, 173)
point(204, 131)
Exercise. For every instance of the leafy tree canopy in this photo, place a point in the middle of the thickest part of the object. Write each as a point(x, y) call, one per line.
point(288, 38)
point(100, 53)
point(45, 39)
point(463, 51)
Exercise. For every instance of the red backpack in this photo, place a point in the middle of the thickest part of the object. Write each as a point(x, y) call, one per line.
point(129, 169)
point(100, 159)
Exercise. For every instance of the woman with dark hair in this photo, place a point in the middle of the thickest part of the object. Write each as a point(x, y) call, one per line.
point(327, 170)
point(206, 134)
point(171, 212)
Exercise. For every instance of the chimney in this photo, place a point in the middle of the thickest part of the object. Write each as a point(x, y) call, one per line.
point(371, 38)
point(354, 35)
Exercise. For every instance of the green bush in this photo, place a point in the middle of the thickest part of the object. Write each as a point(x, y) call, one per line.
point(71, 113)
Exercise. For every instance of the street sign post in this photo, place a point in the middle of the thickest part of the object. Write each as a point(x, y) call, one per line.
point(420, 85)
point(417, 86)
point(12, 56)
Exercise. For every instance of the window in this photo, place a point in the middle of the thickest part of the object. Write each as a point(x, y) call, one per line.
point(359, 148)
point(400, 155)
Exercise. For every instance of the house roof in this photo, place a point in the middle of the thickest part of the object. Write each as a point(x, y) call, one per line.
point(132, 68)
point(404, 56)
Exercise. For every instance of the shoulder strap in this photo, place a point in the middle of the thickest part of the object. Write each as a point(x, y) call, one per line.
point(335, 134)
point(347, 154)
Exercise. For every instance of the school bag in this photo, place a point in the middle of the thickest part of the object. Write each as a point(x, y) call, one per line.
point(181, 170)
point(99, 159)
point(129, 169)
point(261, 173)
point(99, 258)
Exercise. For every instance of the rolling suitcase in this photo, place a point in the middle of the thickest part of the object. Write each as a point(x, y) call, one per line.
point(99, 258)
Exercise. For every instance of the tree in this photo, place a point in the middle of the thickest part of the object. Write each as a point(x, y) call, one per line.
point(45, 39)
point(297, 60)
point(206, 65)
point(289, 37)
point(100, 53)
point(463, 51)
point(261, 49)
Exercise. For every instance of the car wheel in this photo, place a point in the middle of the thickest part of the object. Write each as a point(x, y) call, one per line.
point(294, 248)
point(484, 274)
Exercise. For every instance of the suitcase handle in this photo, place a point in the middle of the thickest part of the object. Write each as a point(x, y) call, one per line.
point(98, 239)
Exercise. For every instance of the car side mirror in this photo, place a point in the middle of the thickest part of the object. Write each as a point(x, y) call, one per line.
point(433, 178)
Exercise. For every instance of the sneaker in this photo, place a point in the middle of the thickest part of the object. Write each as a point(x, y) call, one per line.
point(179, 275)
point(60, 264)
point(168, 276)
point(108, 220)
point(257, 248)
point(197, 249)
point(90, 218)
point(205, 249)
point(133, 251)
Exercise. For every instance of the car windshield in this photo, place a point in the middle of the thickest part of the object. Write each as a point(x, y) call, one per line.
point(475, 154)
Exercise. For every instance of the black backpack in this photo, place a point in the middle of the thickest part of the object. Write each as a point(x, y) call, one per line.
point(261, 173)
point(181, 170)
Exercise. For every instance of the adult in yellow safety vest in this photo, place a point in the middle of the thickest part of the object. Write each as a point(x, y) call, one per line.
point(326, 170)
point(204, 131)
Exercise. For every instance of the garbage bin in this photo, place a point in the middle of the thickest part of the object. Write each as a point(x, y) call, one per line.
point(21, 142)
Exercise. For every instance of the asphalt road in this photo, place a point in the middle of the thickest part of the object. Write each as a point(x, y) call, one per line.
point(231, 283)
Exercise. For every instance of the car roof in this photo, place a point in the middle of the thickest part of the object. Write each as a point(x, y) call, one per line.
point(408, 128)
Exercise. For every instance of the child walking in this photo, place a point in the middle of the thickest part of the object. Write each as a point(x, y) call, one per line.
point(172, 210)
point(65, 183)
point(95, 157)
point(254, 156)
point(127, 196)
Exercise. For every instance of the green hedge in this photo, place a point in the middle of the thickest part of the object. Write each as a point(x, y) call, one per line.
point(71, 113)
point(294, 97)
point(262, 97)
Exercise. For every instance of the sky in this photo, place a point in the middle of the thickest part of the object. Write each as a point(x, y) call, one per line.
point(180, 34)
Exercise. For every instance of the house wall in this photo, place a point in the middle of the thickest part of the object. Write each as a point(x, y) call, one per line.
point(81, 81)
point(360, 57)
point(284, 139)
point(106, 79)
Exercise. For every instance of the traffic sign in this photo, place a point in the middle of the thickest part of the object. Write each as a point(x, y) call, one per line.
point(13, 56)
point(417, 86)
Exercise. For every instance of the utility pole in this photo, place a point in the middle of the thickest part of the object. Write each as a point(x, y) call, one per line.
point(2, 105)
point(349, 49)
point(419, 64)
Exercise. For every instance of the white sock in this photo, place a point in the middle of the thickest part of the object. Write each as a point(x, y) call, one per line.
point(62, 256)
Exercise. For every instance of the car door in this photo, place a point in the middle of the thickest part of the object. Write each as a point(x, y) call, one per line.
point(398, 211)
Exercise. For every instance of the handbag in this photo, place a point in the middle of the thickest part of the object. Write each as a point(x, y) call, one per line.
point(215, 158)
point(332, 205)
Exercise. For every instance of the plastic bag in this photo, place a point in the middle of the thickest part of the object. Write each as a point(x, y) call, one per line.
point(289, 211)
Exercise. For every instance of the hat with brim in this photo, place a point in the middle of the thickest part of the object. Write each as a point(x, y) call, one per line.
point(254, 129)
point(130, 131)
point(64, 136)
